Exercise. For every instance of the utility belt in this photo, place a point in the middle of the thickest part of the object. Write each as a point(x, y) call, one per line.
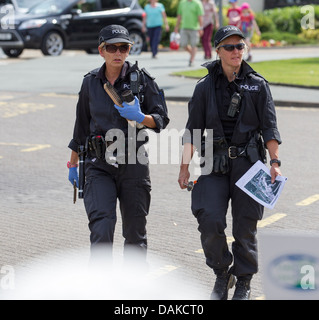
point(235, 152)
point(254, 150)
point(98, 147)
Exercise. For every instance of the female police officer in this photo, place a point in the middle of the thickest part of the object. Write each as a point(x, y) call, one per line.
point(236, 103)
point(96, 114)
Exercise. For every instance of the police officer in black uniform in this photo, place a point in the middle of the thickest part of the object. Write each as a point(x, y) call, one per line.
point(236, 103)
point(96, 115)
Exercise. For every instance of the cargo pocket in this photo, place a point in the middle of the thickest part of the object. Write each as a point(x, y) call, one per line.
point(197, 198)
point(143, 197)
point(135, 197)
point(88, 197)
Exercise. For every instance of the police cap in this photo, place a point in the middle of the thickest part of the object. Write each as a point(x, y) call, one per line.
point(225, 32)
point(114, 34)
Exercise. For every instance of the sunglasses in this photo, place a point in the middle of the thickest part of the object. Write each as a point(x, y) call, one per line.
point(231, 47)
point(112, 48)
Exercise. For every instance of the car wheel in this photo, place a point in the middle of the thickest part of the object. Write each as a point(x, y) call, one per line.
point(138, 40)
point(12, 53)
point(52, 44)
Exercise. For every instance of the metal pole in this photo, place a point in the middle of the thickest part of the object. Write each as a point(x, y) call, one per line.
point(220, 13)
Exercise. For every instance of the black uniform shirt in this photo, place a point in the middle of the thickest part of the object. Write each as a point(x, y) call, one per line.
point(257, 111)
point(224, 92)
point(96, 114)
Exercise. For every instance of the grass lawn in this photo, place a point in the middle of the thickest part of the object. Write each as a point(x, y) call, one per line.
point(304, 72)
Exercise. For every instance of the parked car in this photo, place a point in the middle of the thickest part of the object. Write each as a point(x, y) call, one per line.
point(55, 25)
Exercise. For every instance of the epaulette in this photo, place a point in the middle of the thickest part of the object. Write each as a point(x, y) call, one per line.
point(94, 72)
point(258, 75)
point(203, 78)
point(147, 73)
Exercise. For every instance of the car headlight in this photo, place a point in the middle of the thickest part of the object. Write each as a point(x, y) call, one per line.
point(33, 24)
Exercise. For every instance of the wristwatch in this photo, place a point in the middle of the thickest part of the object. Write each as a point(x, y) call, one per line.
point(275, 161)
point(69, 165)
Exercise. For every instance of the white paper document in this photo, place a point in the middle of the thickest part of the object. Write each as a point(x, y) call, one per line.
point(256, 182)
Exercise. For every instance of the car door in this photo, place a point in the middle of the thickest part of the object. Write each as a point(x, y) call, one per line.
point(88, 18)
point(83, 27)
point(112, 12)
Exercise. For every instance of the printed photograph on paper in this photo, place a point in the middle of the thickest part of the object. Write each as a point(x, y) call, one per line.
point(256, 182)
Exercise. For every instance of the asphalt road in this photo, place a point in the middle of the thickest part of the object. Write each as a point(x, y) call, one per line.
point(39, 221)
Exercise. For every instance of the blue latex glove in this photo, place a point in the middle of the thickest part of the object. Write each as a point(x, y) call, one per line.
point(131, 112)
point(73, 175)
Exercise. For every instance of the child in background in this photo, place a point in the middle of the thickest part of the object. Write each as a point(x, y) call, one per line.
point(233, 14)
point(248, 25)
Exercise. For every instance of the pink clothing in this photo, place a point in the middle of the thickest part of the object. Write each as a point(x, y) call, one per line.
point(246, 25)
point(233, 16)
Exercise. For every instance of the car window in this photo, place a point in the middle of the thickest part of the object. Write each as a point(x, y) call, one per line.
point(109, 4)
point(50, 7)
point(87, 5)
point(126, 3)
point(27, 3)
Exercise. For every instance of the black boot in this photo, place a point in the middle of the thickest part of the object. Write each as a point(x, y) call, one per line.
point(224, 281)
point(242, 291)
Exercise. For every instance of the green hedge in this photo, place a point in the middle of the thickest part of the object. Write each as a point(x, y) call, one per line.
point(286, 19)
point(310, 34)
point(289, 38)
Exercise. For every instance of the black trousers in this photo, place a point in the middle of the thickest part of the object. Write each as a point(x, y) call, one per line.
point(130, 184)
point(210, 199)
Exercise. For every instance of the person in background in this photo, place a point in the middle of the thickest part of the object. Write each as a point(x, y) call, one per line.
point(209, 21)
point(248, 26)
point(190, 20)
point(152, 22)
point(233, 14)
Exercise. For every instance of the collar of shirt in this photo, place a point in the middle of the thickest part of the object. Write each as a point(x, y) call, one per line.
point(221, 79)
point(214, 67)
point(101, 72)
